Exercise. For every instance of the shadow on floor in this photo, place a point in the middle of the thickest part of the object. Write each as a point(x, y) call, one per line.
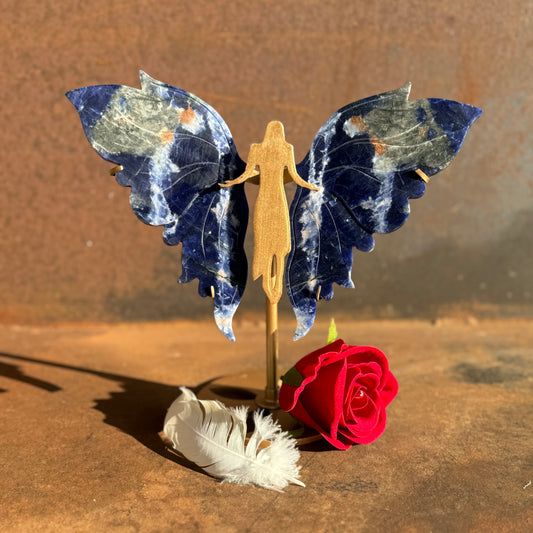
point(138, 409)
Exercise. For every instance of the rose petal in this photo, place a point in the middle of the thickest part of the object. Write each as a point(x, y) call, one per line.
point(364, 419)
point(365, 354)
point(299, 412)
point(368, 437)
point(324, 396)
point(390, 390)
point(308, 367)
point(366, 367)
point(369, 381)
point(357, 401)
point(352, 390)
point(352, 405)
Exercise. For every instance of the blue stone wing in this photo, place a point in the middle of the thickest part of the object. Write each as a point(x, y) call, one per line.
point(365, 159)
point(174, 150)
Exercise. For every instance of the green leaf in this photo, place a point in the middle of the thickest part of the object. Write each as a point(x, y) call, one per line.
point(292, 378)
point(332, 332)
point(296, 433)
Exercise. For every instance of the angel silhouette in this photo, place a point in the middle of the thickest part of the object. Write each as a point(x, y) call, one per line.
point(178, 156)
point(272, 236)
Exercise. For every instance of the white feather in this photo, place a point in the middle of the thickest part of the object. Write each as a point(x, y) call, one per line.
point(214, 437)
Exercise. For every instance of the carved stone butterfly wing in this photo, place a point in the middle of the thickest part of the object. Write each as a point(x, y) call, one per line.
point(365, 159)
point(174, 150)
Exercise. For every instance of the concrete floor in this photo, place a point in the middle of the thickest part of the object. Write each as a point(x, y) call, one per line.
point(82, 407)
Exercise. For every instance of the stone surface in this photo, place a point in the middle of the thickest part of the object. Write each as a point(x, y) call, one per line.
point(173, 150)
point(82, 406)
point(365, 160)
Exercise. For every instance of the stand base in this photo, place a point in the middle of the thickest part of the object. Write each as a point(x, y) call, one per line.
point(247, 388)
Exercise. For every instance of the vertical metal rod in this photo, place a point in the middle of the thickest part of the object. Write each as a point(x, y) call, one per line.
point(272, 351)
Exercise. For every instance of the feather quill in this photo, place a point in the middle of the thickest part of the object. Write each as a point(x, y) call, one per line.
point(213, 436)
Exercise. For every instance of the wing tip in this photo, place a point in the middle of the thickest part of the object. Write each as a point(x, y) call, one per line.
point(406, 89)
point(226, 329)
point(224, 319)
point(75, 97)
point(146, 79)
point(299, 333)
point(472, 112)
point(305, 319)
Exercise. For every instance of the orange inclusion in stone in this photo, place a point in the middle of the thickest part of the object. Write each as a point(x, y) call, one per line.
point(379, 146)
point(166, 136)
point(188, 115)
point(357, 120)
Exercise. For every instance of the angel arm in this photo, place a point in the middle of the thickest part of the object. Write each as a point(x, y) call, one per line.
point(250, 172)
point(292, 173)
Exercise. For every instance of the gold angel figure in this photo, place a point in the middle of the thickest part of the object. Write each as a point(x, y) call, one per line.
point(273, 161)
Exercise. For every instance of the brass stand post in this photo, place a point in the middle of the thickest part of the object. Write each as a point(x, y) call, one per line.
point(270, 400)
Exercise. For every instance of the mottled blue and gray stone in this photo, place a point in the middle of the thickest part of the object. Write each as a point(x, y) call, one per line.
point(174, 150)
point(364, 159)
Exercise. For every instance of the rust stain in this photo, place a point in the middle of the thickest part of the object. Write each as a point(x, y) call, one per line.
point(166, 136)
point(379, 146)
point(188, 115)
point(357, 120)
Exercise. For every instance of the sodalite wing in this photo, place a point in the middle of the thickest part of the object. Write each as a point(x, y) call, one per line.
point(364, 159)
point(175, 150)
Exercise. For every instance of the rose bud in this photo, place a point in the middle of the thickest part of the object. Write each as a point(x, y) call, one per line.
point(341, 391)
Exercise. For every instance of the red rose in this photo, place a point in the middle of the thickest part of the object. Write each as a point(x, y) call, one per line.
point(341, 391)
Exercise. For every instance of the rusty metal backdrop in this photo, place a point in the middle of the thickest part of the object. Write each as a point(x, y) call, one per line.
point(71, 250)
